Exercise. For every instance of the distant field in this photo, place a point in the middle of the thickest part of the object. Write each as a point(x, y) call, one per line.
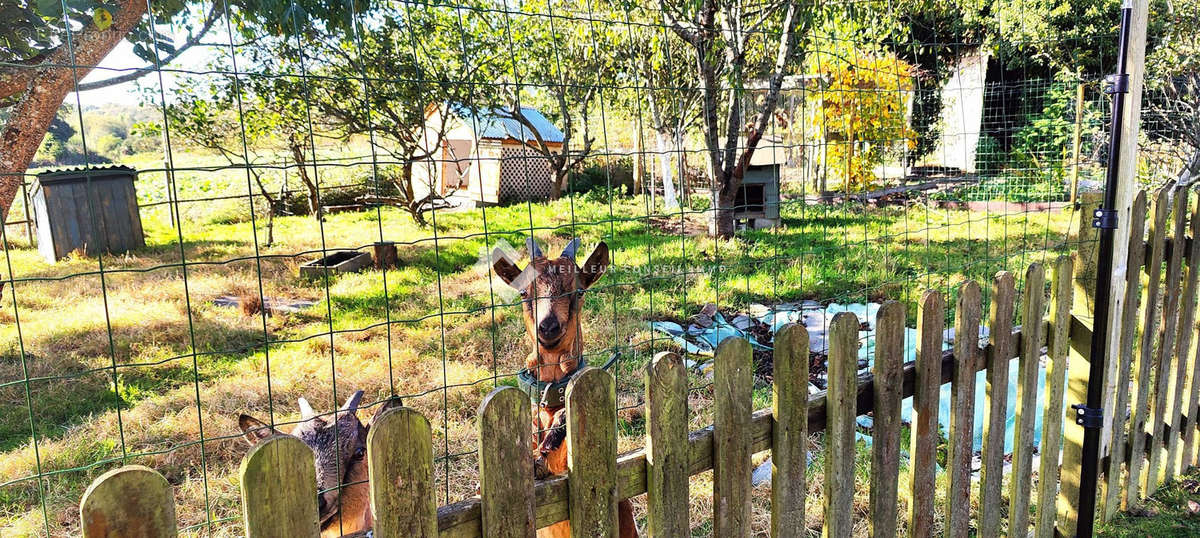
point(137, 364)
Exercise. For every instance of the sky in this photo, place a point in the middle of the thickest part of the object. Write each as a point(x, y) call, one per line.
point(122, 59)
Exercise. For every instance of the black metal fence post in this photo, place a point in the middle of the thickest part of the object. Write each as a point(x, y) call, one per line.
point(1090, 415)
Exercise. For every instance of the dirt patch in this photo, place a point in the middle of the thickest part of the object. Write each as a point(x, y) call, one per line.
point(685, 224)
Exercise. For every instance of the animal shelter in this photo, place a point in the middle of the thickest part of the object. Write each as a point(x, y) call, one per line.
point(485, 156)
point(94, 209)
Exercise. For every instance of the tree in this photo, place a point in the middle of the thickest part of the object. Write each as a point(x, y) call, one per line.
point(729, 39)
point(45, 50)
point(1173, 84)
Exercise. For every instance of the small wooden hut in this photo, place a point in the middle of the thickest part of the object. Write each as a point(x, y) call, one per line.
point(484, 157)
point(94, 209)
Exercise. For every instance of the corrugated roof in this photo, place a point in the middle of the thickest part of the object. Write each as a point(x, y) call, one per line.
point(492, 123)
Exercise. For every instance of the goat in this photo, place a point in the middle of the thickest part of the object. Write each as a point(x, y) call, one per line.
point(340, 455)
point(551, 298)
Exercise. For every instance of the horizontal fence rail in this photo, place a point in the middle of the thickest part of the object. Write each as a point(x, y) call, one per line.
point(1158, 443)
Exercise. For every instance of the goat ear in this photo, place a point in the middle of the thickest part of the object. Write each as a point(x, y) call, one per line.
point(254, 430)
point(534, 250)
point(595, 265)
point(569, 250)
point(390, 403)
point(505, 268)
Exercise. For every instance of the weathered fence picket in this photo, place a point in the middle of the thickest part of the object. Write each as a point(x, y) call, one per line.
point(1033, 311)
point(1143, 384)
point(400, 442)
point(1058, 342)
point(1113, 492)
point(885, 449)
point(962, 410)
point(279, 486)
point(995, 412)
point(667, 446)
point(592, 453)
point(1183, 342)
point(931, 320)
point(505, 466)
point(131, 501)
point(839, 431)
point(279, 489)
point(733, 380)
point(789, 436)
point(1171, 368)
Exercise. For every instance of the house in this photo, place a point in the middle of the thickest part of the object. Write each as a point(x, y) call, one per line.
point(483, 157)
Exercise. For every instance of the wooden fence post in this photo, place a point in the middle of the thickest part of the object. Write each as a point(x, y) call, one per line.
point(962, 409)
point(1192, 332)
point(995, 413)
point(931, 320)
point(506, 464)
point(885, 446)
point(667, 447)
point(840, 408)
point(279, 489)
point(1058, 342)
point(789, 436)
point(130, 502)
point(1187, 318)
point(1033, 313)
point(1167, 377)
point(1143, 384)
point(592, 453)
point(1111, 500)
point(400, 467)
point(733, 381)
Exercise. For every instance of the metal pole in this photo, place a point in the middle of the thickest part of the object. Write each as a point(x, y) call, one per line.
point(1090, 415)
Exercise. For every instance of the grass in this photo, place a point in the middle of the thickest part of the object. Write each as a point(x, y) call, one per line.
point(1166, 513)
point(136, 364)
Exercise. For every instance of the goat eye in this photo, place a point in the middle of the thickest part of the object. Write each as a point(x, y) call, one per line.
point(524, 294)
point(360, 452)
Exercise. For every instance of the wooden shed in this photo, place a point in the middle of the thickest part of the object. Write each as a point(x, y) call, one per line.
point(757, 201)
point(94, 209)
point(483, 158)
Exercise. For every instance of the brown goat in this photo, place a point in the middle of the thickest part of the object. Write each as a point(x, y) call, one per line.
point(552, 298)
point(340, 455)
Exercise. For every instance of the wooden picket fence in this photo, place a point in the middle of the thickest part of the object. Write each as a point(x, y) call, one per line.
point(279, 495)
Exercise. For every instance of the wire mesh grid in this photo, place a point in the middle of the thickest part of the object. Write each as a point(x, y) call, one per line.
point(273, 146)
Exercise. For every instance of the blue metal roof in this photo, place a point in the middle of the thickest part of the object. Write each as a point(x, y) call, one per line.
point(491, 123)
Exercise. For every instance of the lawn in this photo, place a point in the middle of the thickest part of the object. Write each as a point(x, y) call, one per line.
point(136, 364)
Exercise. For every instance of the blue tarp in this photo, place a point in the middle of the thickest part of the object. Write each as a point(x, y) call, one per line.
point(703, 340)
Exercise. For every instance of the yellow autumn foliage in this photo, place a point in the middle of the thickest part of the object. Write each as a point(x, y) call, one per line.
point(860, 111)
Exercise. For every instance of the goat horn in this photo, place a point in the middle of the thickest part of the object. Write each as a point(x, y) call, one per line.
point(569, 250)
point(306, 410)
point(351, 404)
point(534, 250)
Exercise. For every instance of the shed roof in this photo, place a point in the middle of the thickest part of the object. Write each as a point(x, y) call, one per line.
point(493, 123)
point(83, 173)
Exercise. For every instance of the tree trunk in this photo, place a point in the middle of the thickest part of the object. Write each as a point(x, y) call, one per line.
point(314, 195)
point(665, 155)
point(560, 180)
point(30, 118)
point(721, 223)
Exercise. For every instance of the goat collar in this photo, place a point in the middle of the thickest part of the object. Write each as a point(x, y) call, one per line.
point(553, 395)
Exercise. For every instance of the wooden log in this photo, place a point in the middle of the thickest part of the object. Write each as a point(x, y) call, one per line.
point(592, 454)
point(506, 464)
point(789, 436)
point(385, 255)
point(733, 381)
point(131, 501)
point(1113, 492)
point(962, 410)
point(931, 316)
point(1033, 311)
point(885, 434)
point(1183, 380)
point(279, 489)
point(1144, 385)
point(667, 446)
point(400, 466)
point(1058, 341)
point(995, 411)
point(839, 431)
point(1164, 360)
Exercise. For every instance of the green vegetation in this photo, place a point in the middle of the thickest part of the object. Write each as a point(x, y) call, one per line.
point(1168, 513)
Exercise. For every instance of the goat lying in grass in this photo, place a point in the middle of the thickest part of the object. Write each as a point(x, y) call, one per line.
point(339, 448)
point(552, 299)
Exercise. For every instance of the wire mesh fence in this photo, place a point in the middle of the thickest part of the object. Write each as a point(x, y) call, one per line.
point(897, 160)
